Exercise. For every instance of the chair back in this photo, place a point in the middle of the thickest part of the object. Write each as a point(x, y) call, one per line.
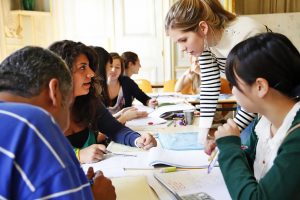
point(169, 86)
point(225, 88)
point(144, 85)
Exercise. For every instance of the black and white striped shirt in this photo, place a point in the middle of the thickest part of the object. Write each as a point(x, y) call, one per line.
point(212, 67)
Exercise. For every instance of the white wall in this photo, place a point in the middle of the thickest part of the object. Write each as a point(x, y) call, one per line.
point(285, 23)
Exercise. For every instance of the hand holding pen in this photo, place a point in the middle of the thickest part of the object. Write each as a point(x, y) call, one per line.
point(101, 186)
point(152, 102)
point(213, 160)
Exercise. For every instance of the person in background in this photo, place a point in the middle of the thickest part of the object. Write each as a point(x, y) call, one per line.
point(121, 90)
point(264, 72)
point(88, 115)
point(125, 114)
point(206, 30)
point(189, 82)
point(37, 161)
point(132, 63)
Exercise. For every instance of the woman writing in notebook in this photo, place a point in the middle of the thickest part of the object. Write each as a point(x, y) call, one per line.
point(125, 114)
point(204, 28)
point(264, 72)
point(88, 114)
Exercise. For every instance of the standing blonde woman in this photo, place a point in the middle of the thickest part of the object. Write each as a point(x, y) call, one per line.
point(204, 28)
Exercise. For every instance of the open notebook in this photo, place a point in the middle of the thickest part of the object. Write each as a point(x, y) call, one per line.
point(183, 159)
point(194, 183)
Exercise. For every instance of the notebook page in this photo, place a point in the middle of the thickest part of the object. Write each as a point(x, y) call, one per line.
point(194, 181)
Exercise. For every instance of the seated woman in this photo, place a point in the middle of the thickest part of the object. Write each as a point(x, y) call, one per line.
point(120, 91)
point(264, 72)
point(132, 63)
point(125, 114)
point(88, 115)
point(189, 82)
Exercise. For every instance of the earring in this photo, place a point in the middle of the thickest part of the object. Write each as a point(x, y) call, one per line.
point(205, 46)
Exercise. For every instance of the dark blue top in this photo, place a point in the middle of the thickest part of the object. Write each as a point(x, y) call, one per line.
point(113, 129)
point(108, 125)
point(36, 160)
point(130, 91)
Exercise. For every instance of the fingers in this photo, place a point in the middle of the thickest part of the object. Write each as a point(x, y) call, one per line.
point(90, 173)
point(209, 146)
point(142, 114)
point(146, 141)
point(228, 129)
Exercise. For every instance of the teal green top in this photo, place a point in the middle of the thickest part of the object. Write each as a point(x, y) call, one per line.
point(282, 181)
point(90, 140)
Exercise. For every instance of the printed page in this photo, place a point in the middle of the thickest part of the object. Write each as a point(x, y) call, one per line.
point(195, 181)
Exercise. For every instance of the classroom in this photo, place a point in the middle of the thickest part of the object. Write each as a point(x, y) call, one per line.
point(149, 99)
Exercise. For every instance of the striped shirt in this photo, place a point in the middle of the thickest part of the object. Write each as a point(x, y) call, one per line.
point(212, 67)
point(36, 160)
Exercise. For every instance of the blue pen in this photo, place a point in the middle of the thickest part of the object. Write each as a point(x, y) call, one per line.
point(213, 160)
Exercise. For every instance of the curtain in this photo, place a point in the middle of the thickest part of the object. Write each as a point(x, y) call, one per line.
point(266, 6)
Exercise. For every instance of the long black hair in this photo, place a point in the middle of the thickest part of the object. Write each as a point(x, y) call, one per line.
point(271, 56)
point(84, 108)
point(104, 57)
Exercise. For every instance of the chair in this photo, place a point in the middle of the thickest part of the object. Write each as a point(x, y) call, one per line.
point(144, 85)
point(169, 86)
point(225, 87)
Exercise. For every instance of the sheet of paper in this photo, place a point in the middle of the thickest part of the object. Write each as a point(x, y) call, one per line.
point(144, 108)
point(114, 165)
point(194, 181)
point(146, 121)
point(133, 188)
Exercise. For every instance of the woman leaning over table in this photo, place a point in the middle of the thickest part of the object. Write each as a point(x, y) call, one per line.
point(204, 28)
point(88, 114)
point(264, 72)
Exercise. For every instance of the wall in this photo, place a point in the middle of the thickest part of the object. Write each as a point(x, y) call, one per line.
point(285, 23)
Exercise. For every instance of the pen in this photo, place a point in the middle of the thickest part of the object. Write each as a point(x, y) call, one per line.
point(119, 154)
point(170, 123)
point(213, 160)
point(168, 169)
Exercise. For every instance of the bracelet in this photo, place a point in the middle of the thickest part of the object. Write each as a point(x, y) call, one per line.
point(77, 154)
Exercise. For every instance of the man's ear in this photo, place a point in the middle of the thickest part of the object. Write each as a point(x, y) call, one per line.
point(54, 92)
point(262, 87)
point(202, 28)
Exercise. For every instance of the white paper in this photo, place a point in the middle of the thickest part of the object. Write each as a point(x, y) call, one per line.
point(146, 121)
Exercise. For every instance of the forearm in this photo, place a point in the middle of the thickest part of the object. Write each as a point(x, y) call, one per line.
point(182, 81)
point(210, 89)
point(243, 118)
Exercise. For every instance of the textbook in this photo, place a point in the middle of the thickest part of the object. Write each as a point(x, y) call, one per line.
point(182, 159)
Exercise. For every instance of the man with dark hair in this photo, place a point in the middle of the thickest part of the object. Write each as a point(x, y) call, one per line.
point(37, 162)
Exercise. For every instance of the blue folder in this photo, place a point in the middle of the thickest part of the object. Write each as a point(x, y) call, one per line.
point(180, 141)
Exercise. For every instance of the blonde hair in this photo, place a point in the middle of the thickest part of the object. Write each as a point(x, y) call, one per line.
point(186, 15)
